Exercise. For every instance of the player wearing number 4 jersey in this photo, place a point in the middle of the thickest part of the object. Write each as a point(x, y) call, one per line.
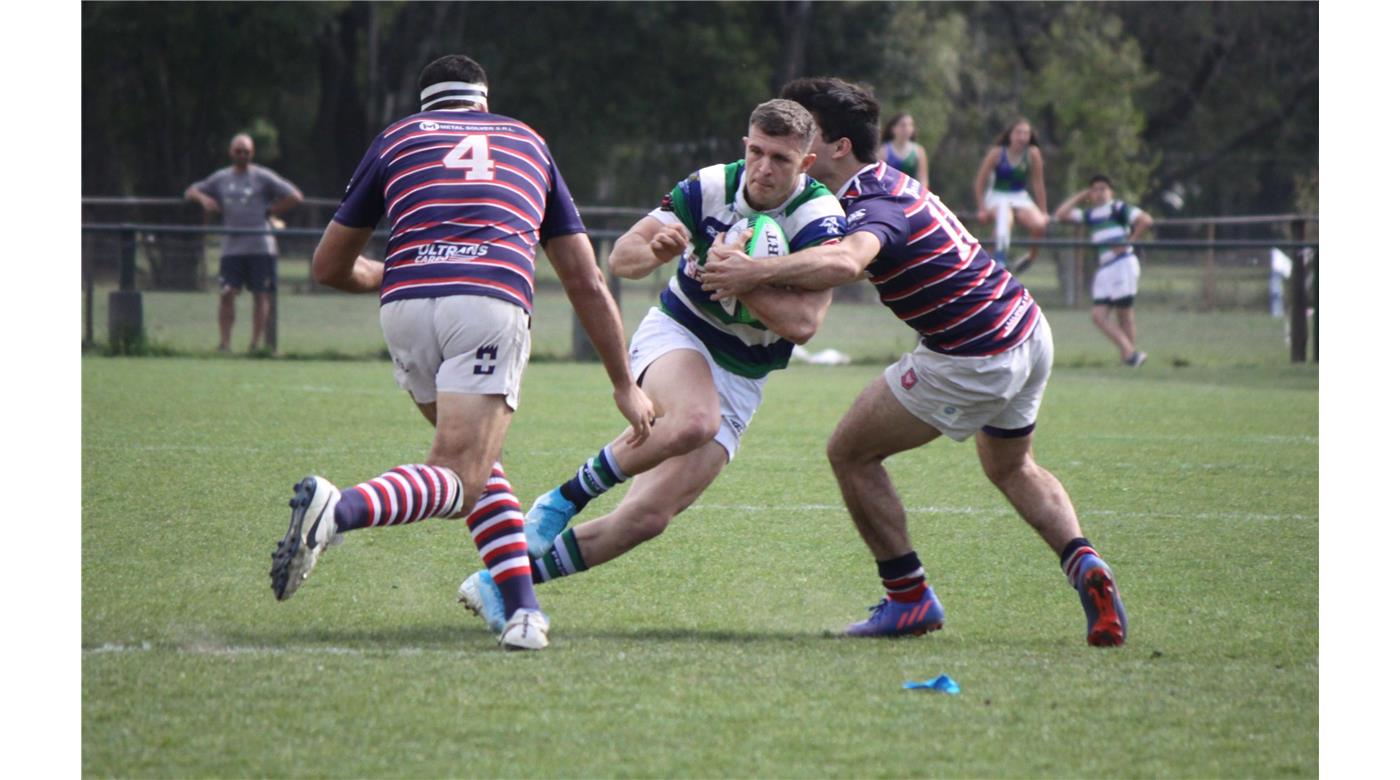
point(468, 196)
point(703, 365)
point(980, 369)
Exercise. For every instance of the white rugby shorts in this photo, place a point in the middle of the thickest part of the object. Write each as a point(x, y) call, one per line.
point(961, 395)
point(1117, 280)
point(739, 396)
point(470, 344)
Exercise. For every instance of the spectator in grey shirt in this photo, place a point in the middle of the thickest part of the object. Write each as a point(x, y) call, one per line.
point(248, 196)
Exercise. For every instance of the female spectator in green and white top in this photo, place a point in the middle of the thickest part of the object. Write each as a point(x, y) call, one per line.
point(899, 150)
point(1008, 171)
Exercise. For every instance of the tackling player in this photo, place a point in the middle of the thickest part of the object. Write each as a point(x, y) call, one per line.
point(703, 365)
point(980, 370)
point(468, 195)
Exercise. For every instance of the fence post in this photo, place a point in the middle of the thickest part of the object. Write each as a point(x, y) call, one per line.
point(270, 329)
point(1298, 288)
point(125, 330)
point(88, 292)
point(1208, 279)
point(583, 350)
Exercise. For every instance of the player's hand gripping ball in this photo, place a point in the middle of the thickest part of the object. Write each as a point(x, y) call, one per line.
point(767, 241)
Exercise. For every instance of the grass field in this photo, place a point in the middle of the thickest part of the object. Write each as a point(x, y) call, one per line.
point(708, 652)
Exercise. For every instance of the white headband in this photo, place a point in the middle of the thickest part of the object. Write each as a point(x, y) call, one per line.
point(445, 91)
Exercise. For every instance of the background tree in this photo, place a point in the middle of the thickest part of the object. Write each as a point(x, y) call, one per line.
point(1209, 106)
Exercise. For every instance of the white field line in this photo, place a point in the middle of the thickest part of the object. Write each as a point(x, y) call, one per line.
point(206, 648)
point(1008, 512)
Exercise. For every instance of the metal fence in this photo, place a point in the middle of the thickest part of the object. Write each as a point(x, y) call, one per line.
point(131, 245)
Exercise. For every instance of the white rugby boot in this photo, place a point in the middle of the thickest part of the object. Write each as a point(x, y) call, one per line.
point(310, 532)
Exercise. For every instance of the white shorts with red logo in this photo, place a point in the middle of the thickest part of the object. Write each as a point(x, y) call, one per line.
point(961, 395)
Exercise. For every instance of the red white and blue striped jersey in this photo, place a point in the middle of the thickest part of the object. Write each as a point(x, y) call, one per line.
point(931, 272)
point(468, 196)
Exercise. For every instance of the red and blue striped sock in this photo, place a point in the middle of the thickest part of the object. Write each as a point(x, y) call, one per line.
point(399, 496)
point(1078, 557)
point(903, 578)
point(498, 529)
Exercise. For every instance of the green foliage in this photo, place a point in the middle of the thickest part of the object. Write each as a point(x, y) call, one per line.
point(1091, 82)
point(1218, 101)
point(921, 69)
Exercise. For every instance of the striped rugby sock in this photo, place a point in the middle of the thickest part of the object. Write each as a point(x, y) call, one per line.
point(903, 578)
point(562, 560)
point(1078, 557)
point(498, 529)
point(402, 495)
point(595, 477)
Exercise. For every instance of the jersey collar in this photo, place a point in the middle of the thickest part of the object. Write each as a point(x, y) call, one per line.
point(741, 202)
point(852, 186)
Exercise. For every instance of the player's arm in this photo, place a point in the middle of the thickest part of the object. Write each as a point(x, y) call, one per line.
point(979, 184)
point(729, 271)
point(572, 257)
point(1063, 213)
point(648, 245)
point(1141, 224)
point(338, 263)
point(793, 314)
point(1038, 178)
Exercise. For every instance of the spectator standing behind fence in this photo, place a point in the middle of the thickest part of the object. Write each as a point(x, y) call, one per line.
point(899, 150)
point(248, 196)
point(1013, 165)
point(1113, 226)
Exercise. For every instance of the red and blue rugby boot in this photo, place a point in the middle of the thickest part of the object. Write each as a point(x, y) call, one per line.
point(1098, 592)
point(901, 618)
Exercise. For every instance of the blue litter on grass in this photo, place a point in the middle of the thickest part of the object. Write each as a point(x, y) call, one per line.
point(942, 683)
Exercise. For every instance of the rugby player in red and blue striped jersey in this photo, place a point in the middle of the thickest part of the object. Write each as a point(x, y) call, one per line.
point(980, 369)
point(468, 196)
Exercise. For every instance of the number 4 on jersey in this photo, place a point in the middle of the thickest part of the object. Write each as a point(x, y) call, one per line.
point(473, 154)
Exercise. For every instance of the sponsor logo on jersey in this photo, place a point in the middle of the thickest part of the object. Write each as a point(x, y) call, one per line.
point(855, 216)
point(832, 225)
point(909, 379)
point(428, 126)
point(1017, 315)
point(440, 253)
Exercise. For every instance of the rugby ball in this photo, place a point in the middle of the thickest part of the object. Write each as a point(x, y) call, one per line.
point(767, 241)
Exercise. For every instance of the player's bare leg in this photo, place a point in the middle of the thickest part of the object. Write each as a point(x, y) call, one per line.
point(876, 427)
point(1043, 503)
point(1034, 492)
point(227, 297)
point(1127, 322)
point(652, 501)
point(1112, 330)
point(470, 431)
point(682, 390)
point(1035, 222)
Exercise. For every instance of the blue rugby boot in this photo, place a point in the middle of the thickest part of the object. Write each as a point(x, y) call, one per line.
point(1107, 620)
point(547, 518)
point(898, 618)
point(481, 595)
